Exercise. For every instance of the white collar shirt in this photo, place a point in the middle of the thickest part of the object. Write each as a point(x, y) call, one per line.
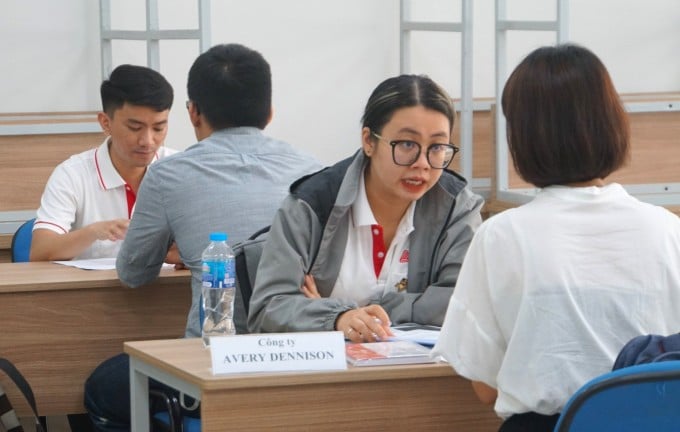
point(364, 254)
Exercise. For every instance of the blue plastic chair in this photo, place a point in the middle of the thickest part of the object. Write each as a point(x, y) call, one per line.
point(189, 424)
point(21, 242)
point(645, 397)
point(171, 419)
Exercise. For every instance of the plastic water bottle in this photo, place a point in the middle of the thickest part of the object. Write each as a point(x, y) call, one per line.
point(219, 288)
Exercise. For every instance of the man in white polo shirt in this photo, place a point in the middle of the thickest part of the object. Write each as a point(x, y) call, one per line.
point(88, 200)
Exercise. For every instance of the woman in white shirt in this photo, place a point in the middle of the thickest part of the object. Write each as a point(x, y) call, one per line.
point(549, 292)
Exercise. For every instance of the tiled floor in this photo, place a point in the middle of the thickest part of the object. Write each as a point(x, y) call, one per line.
point(54, 424)
point(58, 424)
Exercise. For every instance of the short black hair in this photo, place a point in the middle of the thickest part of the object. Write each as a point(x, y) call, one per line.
point(231, 86)
point(565, 120)
point(135, 85)
point(405, 91)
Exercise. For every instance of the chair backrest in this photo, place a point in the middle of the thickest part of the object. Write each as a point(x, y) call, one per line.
point(21, 242)
point(637, 398)
point(247, 256)
point(161, 422)
point(170, 419)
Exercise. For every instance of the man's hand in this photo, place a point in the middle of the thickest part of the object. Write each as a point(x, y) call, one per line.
point(48, 245)
point(173, 257)
point(109, 230)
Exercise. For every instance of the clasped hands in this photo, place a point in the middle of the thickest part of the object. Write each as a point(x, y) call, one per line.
point(365, 324)
point(173, 257)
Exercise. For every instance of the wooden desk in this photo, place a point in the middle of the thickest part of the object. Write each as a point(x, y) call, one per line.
point(58, 323)
point(410, 397)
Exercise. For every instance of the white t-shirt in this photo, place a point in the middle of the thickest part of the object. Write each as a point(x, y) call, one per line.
point(84, 189)
point(365, 255)
point(549, 293)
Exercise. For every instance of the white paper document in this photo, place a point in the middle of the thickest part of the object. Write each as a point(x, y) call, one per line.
point(96, 264)
point(91, 264)
point(422, 334)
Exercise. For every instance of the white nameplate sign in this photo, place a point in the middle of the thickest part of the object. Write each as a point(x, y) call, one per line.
point(276, 352)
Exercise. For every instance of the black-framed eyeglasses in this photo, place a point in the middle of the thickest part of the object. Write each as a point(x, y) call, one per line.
point(406, 152)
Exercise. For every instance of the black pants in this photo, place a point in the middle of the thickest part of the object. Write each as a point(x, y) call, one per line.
point(529, 422)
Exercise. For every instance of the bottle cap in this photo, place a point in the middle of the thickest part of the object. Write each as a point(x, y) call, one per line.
point(218, 236)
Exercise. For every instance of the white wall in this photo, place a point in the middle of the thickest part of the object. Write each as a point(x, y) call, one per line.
point(326, 56)
point(639, 41)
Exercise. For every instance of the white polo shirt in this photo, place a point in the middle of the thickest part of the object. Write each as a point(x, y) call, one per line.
point(84, 189)
point(368, 270)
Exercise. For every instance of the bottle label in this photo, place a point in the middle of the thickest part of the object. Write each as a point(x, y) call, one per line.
point(219, 274)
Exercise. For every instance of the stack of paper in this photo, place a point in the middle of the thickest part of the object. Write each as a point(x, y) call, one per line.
point(423, 334)
point(387, 353)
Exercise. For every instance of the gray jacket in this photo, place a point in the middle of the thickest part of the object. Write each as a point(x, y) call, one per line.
point(309, 235)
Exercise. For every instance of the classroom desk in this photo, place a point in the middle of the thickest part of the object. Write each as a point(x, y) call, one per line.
point(58, 323)
point(392, 398)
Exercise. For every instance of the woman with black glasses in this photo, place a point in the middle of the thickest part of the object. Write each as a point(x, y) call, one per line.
point(378, 238)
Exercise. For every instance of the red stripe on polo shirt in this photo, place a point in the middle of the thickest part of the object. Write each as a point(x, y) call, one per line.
point(378, 248)
point(131, 199)
point(50, 223)
point(99, 173)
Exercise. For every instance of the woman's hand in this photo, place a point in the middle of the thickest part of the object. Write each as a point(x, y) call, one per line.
point(365, 324)
point(308, 288)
